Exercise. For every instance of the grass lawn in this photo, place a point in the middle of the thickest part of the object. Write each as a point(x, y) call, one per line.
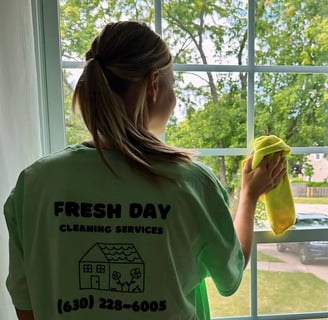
point(278, 292)
point(264, 257)
point(311, 200)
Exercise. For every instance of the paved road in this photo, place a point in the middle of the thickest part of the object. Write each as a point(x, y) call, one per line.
point(291, 263)
point(311, 208)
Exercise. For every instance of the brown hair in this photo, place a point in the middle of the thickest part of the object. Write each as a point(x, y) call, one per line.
point(122, 54)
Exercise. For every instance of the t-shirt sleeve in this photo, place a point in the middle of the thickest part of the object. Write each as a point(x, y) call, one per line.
point(16, 281)
point(220, 255)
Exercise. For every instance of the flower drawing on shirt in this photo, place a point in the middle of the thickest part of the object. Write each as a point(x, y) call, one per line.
point(116, 275)
point(135, 273)
point(127, 284)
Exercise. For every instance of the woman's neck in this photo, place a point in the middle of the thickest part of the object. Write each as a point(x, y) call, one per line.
point(103, 144)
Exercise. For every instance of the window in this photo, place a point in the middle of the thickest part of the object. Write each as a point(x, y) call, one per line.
point(100, 268)
point(87, 268)
point(243, 69)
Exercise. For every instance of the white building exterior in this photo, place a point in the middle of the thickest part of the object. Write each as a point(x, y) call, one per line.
point(320, 167)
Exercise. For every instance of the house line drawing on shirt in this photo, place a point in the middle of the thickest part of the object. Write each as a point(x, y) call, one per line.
point(113, 267)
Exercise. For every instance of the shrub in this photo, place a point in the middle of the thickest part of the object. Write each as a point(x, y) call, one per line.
point(317, 184)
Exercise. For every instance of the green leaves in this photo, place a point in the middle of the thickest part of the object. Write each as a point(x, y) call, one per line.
point(81, 20)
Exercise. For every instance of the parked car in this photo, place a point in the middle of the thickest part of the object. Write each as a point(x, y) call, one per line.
point(310, 251)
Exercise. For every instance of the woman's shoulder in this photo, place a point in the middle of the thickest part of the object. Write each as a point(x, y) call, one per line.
point(57, 159)
point(194, 172)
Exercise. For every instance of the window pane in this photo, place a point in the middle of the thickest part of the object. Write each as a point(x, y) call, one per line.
point(315, 172)
point(292, 106)
point(291, 32)
point(80, 21)
point(210, 112)
point(206, 32)
point(76, 131)
point(308, 176)
point(202, 119)
point(308, 179)
point(295, 287)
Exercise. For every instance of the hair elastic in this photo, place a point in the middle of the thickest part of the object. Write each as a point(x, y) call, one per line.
point(100, 60)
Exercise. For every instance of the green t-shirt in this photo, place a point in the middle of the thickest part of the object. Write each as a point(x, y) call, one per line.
point(89, 244)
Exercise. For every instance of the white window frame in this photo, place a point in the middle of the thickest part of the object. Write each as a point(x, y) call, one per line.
point(47, 44)
point(49, 74)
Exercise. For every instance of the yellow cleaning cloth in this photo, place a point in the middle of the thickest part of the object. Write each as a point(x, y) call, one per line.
point(279, 202)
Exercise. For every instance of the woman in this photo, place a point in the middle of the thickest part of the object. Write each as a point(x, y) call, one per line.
point(124, 226)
